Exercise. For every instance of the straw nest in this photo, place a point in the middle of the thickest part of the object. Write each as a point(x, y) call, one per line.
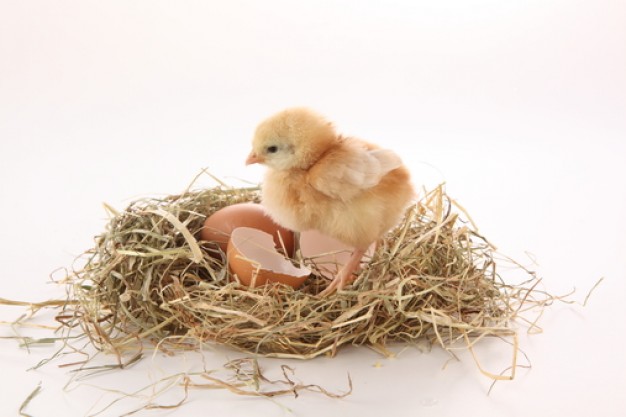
point(149, 278)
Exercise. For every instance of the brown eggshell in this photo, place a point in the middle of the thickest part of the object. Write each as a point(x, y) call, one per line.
point(328, 254)
point(218, 227)
point(253, 258)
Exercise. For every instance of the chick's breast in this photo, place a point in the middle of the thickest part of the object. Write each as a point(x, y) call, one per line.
point(291, 201)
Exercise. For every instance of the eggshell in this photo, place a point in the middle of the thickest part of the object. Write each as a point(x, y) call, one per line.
point(328, 254)
point(253, 258)
point(218, 227)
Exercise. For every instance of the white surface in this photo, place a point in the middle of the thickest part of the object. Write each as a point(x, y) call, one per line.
point(519, 106)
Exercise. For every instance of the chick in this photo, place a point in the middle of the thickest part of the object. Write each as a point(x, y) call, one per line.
point(344, 187)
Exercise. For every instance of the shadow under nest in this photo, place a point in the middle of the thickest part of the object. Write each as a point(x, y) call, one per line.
point(149, 278)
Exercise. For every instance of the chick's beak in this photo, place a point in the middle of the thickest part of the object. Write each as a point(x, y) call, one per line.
point(253, 158)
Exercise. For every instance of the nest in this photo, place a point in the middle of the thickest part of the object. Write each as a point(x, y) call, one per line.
point(150, 278)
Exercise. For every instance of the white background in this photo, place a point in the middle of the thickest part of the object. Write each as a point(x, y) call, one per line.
point(520, 106)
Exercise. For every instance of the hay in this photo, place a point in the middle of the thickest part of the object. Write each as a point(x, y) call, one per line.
point(148, 278)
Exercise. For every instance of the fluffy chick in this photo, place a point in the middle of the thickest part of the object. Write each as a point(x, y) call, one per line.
point(344, 187)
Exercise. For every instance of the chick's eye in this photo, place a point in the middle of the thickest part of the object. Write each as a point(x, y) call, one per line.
point(272, 149)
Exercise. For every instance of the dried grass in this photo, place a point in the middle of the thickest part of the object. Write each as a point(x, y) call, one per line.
point(149, 278)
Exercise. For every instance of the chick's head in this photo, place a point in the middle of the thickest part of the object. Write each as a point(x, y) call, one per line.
point(292, 139)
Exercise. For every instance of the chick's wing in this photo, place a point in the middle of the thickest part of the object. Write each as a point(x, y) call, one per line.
point(346, 172)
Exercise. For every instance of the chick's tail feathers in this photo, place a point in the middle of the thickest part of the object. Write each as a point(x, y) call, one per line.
point(387, 159)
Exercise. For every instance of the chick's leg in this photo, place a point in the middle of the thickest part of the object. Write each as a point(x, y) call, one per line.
point(344, 277)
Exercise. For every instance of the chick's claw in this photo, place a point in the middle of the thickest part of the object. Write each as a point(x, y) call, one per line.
point(346, 274)
point(337, 284)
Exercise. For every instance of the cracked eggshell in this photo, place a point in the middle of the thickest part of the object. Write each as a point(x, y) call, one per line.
point(219, 226)
point(253, 258)
point(328, 254)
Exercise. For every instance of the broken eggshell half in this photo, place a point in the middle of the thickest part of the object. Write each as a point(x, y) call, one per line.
point(252, 256)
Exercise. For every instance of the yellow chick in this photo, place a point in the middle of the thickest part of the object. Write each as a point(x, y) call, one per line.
point(344, 187)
